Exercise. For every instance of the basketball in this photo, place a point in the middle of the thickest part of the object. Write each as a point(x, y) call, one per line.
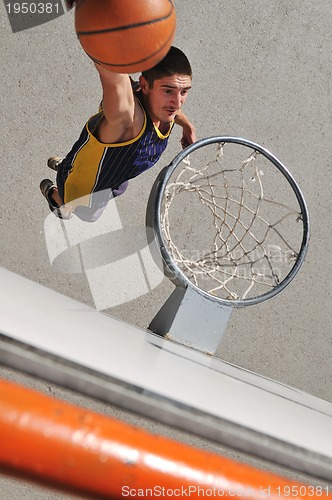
point(125, 36)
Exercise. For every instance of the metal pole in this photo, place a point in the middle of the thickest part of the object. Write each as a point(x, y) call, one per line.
point(75, 447)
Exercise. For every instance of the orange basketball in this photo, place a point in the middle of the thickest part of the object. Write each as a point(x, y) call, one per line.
point(125, 36)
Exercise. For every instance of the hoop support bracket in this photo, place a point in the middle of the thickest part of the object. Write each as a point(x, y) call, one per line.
point(189, 318)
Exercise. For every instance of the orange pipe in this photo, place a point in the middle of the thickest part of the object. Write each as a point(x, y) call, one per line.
point(82, 449)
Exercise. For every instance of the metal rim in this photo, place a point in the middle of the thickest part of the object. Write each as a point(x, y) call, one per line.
point(158, 194)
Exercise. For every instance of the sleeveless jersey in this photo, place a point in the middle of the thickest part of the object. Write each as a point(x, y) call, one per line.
point(92, 166)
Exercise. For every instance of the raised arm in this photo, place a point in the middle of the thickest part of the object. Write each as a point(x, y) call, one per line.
point(118, 106)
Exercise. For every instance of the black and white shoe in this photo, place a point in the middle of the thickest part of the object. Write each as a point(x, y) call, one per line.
point(54, 162)
point(46, 188)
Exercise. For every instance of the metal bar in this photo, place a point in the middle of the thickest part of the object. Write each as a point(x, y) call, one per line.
point(87, 451)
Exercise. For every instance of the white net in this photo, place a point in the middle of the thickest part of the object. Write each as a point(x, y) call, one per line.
point(232, 224)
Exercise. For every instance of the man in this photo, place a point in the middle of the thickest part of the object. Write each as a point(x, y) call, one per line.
point(124, 139)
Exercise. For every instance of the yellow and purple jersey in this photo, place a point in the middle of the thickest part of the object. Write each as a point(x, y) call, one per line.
point(92, 166)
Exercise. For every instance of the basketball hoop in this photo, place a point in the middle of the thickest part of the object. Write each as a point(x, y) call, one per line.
point(254, 218)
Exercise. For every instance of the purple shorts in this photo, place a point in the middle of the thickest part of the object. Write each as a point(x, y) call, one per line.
point(99, 203)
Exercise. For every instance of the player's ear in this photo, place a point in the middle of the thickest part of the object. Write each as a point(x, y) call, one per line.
point(144, 84)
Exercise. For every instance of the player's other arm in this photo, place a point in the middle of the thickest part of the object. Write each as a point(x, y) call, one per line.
point(118, 105)
point(189, 133)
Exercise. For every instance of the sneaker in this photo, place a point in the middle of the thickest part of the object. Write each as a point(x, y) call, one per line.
point(54, 162)
point(46, 187)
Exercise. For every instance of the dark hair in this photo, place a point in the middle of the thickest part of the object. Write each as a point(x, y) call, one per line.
point(174, 63)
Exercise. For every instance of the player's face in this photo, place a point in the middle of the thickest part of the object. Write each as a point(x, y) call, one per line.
point(167, 96)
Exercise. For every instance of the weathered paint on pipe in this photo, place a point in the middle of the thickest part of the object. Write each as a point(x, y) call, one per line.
point(57, 441)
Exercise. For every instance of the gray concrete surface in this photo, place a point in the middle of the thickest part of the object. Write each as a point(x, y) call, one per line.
point(262, 70)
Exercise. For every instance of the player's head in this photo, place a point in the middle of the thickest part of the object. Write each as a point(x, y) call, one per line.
point(165, 86)
point(174, 63)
